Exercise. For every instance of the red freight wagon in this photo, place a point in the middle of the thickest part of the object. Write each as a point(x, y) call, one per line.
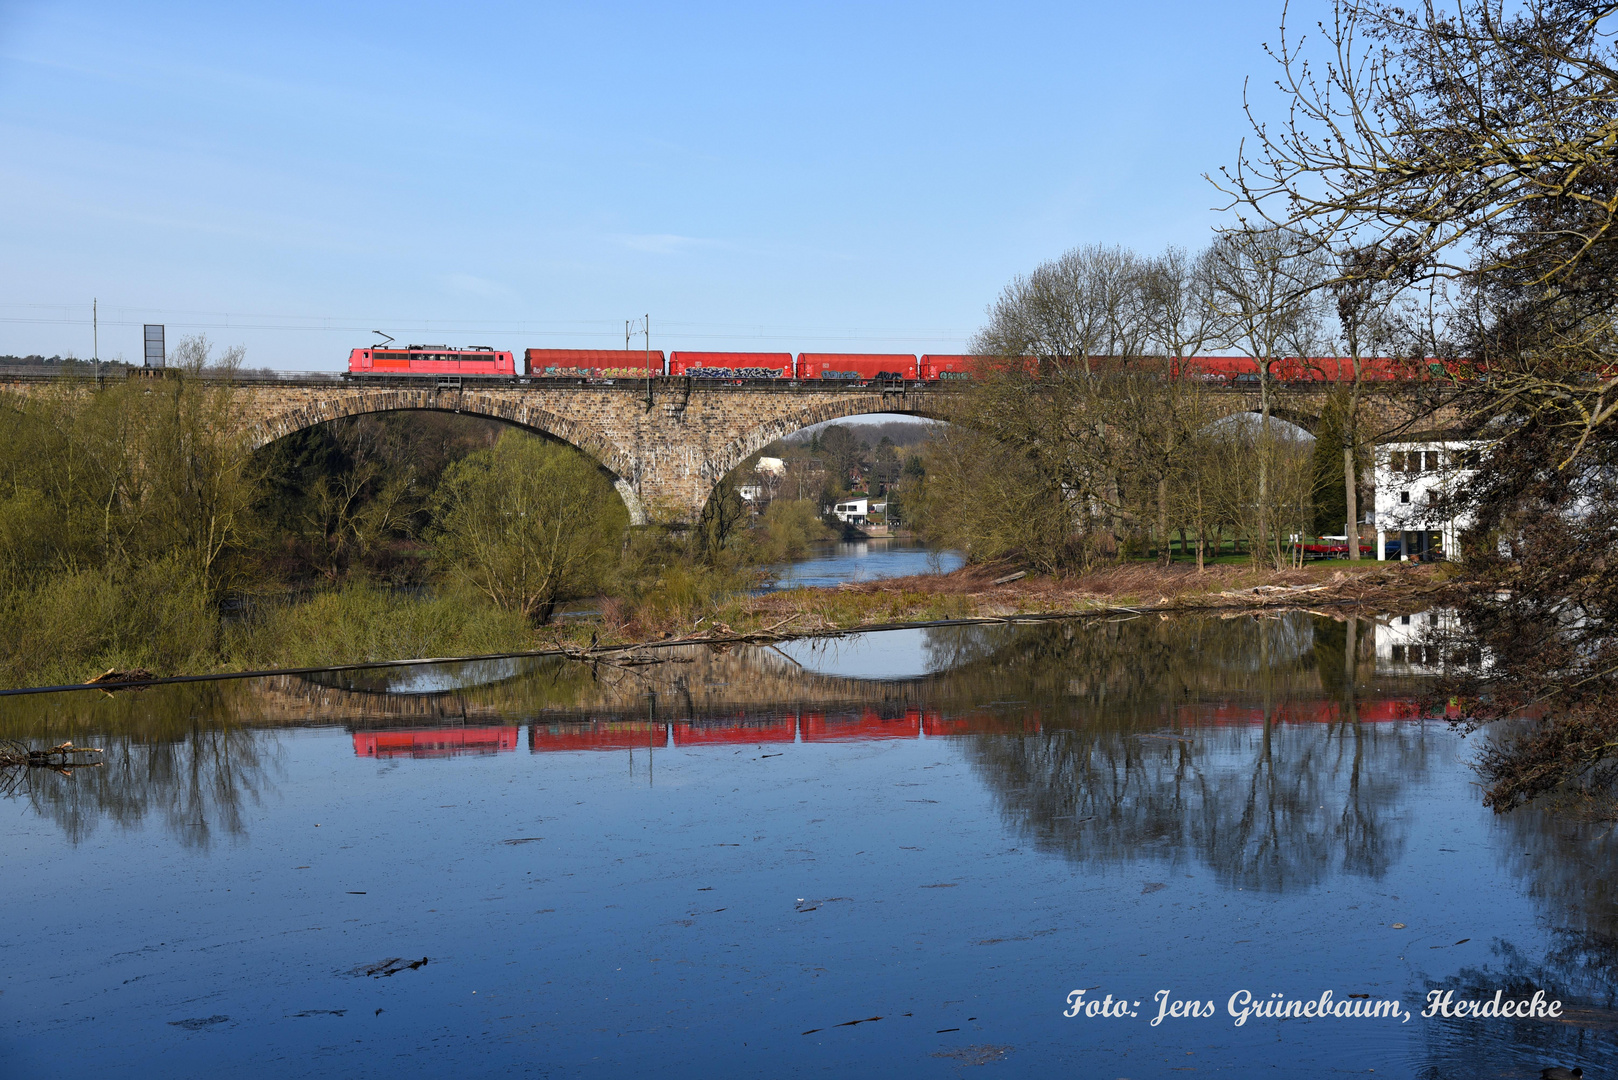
point(435, 742)
point(935, 367)
point(592, 363)
point(856, 367)
point(731, 365)
point(431, 360)
point(1243, 370)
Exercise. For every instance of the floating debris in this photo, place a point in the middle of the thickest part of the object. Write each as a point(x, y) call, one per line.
point(115, 677)
point(60, 756)
point(975, 1055)
point(386, 968)
point(197, 1023)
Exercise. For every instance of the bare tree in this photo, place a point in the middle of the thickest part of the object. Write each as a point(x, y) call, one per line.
point(1080, 306)
point(1473, 145)
point(1264, 284)
point(1180, 319)
point(1364, 302)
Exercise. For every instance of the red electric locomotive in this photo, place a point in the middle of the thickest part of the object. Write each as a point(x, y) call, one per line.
point(431, 360)
point(856, 367)
point(731, 365)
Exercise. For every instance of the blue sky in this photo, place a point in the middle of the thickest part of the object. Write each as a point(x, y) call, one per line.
point(821, 177)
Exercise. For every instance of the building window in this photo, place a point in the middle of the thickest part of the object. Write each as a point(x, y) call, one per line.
point(1404, 496)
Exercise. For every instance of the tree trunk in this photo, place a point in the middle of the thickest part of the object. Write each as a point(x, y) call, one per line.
point(1166, 556)
point(1353, 506)
point(1350, 444)
point(1264, 465)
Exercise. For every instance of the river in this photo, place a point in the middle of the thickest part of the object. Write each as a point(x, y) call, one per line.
point(886, 856)
point(835, 561)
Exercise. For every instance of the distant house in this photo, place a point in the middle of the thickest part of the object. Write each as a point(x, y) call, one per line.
point(885, 474)
point(855, 511)
point(1413, 480)
point(768, 473)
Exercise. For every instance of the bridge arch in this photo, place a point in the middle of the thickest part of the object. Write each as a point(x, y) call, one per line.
point(514, 411)
point(1298, 418)
point(759, 436)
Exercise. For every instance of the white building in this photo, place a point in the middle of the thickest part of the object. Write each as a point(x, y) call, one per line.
point(853, 511)
point(769, 471)
point(1412, 480)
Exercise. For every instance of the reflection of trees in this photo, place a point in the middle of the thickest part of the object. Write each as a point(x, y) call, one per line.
point(197, 784)
point(1137, 665)
point(1126, 769)
point(1578, 968)
point(1563, 859)
point(1275, 807)
point(177, 753)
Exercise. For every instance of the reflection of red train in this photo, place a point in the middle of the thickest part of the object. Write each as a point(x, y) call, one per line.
point(597, 735)
point(740, 730)
point(859, 727)
point(435, 742)
point(851, 725)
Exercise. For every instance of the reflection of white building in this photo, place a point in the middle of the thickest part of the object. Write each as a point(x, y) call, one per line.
point(1402, 648)
point(1423, 644)
point(1412, 480)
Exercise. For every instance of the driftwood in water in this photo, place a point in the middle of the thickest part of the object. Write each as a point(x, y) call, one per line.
point(113, 678)
point(60, 756)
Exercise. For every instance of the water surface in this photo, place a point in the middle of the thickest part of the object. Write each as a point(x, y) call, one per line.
point(895, 855)
point(836, 561)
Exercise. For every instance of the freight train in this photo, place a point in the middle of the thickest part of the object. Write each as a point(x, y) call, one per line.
point(594, 365)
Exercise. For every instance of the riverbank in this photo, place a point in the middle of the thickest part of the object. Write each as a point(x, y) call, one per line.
point(966, 595)
point(972, 592)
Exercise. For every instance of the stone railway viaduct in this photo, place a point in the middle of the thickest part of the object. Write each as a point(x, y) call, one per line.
point(667, 442)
